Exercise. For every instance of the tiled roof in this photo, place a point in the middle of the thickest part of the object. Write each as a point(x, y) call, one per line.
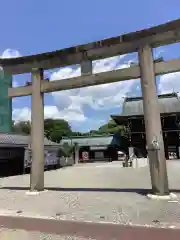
point(16, 139)
point(93, 140)
point(169, 103)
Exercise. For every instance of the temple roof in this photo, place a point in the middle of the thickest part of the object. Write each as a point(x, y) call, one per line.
point(10, 139)
point(133, 107)
point(93, 140)
point(169, 103)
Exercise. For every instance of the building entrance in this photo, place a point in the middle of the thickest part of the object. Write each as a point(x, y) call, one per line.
point(11, 161)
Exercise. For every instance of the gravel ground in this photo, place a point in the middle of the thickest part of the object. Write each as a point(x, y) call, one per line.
point(92, 192)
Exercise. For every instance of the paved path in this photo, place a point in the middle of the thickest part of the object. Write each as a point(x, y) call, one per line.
point(80, 230)
point(100, 164)
point(91, 193)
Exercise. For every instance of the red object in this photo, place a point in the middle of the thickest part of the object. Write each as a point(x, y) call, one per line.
point(85, 156)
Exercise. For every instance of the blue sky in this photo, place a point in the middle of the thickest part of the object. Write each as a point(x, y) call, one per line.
point(33, 26)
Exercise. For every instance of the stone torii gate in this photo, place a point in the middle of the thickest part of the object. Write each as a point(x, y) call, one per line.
point(142, 42)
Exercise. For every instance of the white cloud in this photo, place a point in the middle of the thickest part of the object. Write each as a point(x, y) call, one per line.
point(108, 96)
point(70, 114)
point(71, 103)
point(10, 53)
point(157, 52)
point(21, 114)
point(169, 83)
point(24, 114)
point(15, 84)
point(102, 97)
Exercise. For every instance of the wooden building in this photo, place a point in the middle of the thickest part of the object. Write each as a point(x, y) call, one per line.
point(15, 154)
point(95, 148)
point(132, 117)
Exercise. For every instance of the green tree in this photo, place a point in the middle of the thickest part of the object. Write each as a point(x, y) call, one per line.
point(110, 128)
point(67, 150)
point(23, 127)
point(55, 129)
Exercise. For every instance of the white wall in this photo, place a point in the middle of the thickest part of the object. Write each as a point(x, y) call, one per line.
point(139, 162)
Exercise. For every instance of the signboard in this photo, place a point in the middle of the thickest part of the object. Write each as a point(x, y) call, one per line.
point(5, 103)
point(98, 147)
point(85, 156)
point(50, 158)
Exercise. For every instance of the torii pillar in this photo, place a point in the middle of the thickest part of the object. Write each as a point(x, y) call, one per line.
point(157, 160)
point(37, 132)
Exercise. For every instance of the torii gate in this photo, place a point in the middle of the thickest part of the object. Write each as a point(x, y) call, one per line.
point(142, 41)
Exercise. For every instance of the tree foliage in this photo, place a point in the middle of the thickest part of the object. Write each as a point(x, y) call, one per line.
point(110, 128)
point(23, 127)
point(55, 129)
point(67, 150)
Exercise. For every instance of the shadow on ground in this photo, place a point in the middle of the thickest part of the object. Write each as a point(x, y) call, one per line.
point(119, 190)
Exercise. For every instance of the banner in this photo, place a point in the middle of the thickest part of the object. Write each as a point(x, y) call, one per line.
point(85, 156)
point(50, 158)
